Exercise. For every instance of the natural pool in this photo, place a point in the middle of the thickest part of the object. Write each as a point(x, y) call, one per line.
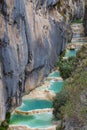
point(34, 104)
point(78, 35)
point(42, 120)
point(56, 86)
point(70, 53)
point(39, 120)
point(54, 74)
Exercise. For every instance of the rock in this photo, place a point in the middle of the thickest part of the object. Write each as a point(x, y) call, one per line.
point(84, 98)
point(85, 21)
point(71, 46)
point(27, 128)
point(50, 3)
point(3, 95)
point(38, 3)
point(72, 124)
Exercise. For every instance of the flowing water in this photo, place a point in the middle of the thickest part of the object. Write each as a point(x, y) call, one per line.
point(41, 120)
point(36, 109)
point(56, 86)
point(37, 112)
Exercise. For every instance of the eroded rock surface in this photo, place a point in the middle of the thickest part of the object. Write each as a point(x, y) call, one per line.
point(3, 95)
point(85, 18)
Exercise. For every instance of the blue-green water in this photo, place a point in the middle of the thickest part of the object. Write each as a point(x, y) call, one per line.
point(54, 74)
point(70, 53)
point(56, 86)
point(42, 120)
point(82, 41)
point(78, 35)
point(33, 104)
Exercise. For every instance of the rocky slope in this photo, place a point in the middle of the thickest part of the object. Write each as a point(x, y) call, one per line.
point(75, 110)
point(33, 34)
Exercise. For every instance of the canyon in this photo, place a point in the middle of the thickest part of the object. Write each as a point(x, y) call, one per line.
point(37, 109)
point(33, 34)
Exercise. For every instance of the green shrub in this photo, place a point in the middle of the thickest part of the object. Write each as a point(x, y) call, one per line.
point(71, 103)
point(76, 86)
point(62, 54)
point(66, 67)
point(1, 128)
point(8, 115)
point(63, 15)
point(1, 1)
point(59, 4)
point(5, 123)
point(59, 127)
point(77, 21)
point(59, 100)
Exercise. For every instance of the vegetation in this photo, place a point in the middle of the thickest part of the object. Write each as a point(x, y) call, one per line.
point(77, 21)
point(66, 66)
point(5, 123)
point(59, 101)
point(75, 106)
point(59, 4)
point(63, 15)
point(63, 12)
point(62, 54)
point(60, 127)
point(1, 1)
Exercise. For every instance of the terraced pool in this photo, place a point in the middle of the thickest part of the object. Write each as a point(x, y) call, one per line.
point(42, 120)
point(33, 104)
point(70, 53)
point(54, 74)
point(56, 86)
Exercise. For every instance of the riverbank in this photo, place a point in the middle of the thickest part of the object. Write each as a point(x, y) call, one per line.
point(73, 103)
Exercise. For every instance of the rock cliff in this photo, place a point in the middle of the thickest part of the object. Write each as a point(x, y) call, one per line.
point(85, 18)
point(3, 94)
point(33, 33)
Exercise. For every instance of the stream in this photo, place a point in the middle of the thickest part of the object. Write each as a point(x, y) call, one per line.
point(35, 113)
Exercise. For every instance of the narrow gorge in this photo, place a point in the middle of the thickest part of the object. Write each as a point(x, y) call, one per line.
point(33, 35)
point(36, 111)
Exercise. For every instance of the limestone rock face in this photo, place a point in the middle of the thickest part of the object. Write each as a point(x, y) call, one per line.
point(32, 36)
point(85, 18)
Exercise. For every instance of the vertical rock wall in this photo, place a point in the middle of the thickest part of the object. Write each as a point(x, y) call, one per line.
point(85, 18)
point(3, 94)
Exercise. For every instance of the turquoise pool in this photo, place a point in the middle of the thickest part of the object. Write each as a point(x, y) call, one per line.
point(33, 104)
point(54, 74)
point(35, 121)
point(70, 53)
point(78, 35)
point(56, 86)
